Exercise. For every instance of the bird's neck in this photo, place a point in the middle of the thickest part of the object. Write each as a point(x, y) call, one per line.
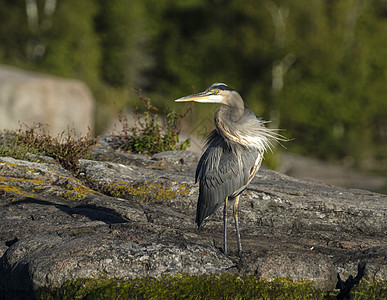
point(229, 114)
point(234, 108)
point(225, 120)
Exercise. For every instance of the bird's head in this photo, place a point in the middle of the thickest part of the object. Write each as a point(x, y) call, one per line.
point(216, 93)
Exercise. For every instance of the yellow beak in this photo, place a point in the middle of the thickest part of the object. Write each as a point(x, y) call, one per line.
point(202, 98)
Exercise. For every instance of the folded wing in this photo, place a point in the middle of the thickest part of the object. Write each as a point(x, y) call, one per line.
point(223, 171)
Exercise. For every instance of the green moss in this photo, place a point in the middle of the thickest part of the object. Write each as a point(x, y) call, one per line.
point(222, 286)
point(370, 290)
point(218, 286)
point(145, 191)
point(15, 150)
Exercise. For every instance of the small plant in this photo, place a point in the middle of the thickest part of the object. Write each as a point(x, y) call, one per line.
point(216, 286)
point(149, 135)
point(66, 148)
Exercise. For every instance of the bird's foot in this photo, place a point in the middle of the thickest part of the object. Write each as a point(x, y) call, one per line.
point(220, 249)
point(242, 258)
point(237, 258)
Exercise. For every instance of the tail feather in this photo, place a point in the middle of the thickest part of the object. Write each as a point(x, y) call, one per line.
point(207, 205)
point(200, 211)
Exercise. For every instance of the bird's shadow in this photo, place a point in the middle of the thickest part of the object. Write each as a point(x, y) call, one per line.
point(93, 212)
point(346, 286)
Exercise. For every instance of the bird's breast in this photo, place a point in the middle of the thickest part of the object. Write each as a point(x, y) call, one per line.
point(248, 131)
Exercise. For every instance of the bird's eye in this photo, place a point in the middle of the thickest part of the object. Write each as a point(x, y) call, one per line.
point(216, 91)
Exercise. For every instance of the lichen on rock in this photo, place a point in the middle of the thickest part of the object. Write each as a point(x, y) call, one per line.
point(135, 218)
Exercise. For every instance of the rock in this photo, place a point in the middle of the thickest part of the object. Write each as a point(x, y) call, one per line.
point(171, 160)
point(136, 218)
point(177, 157)
point(30, 98)
point(331, 173)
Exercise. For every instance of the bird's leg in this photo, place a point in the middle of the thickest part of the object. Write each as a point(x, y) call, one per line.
point(237, 224)
point(225, 227)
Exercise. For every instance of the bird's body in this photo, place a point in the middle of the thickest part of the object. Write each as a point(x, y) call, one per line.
point(224, 170)
point(233, 154)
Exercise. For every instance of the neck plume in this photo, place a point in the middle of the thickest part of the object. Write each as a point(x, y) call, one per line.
point(228, 115)
point(240, 125)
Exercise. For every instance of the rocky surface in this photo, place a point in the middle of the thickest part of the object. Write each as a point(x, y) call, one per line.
point(331, 173)
point(132, 215)
point(37, 98)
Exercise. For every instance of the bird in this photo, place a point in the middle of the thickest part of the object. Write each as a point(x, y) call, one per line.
point(231, 156)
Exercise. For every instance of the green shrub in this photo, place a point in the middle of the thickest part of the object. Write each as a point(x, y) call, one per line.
point(149, 135)
point(66, 148)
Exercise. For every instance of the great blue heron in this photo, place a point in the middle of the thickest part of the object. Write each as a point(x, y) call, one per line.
point(233, 155)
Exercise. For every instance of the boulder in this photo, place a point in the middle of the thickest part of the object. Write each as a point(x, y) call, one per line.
point(29, 98)
point(133, 218)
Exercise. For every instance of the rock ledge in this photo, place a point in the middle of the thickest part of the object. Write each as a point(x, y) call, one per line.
point(135, 217)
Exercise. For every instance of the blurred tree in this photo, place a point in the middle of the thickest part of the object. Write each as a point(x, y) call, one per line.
point(52, 36)
point(119, 26)
point(319, 70)
point(72, 44)
point(328, 103)
point(196, 43)
point(283, 61)
point(13, 31)
point(316, 65)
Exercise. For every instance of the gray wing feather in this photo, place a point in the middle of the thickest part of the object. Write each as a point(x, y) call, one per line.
point(223, 171)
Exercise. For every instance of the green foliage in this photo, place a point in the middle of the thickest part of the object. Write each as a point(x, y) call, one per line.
point(66, 149)
point(63, 43)
point(328, 103)
point(118, 24)
point(72, 44)
point(331, 99)
point(370, 290)
point(13, 31)
point(223, 47)
point(220, 286)
point(148, 135)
